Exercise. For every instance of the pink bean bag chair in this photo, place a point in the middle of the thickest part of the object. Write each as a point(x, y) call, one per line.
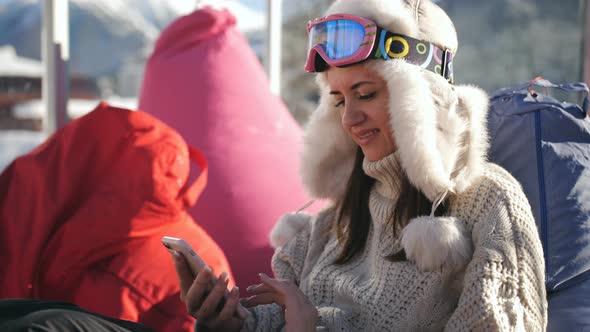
point(204, 80)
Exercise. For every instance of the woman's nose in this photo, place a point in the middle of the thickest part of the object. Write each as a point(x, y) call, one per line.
point(352, 115)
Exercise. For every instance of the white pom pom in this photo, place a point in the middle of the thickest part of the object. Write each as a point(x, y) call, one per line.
point(435, 242)
point(287, 227)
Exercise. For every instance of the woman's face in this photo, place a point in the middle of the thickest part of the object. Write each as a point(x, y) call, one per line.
point(362, 98)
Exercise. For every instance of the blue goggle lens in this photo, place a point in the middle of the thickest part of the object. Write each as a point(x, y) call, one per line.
point(338, 38)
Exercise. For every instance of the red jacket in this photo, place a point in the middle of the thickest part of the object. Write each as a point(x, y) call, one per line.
point(82, 215)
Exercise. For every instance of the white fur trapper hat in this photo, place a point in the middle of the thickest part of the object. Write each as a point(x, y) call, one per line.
point(439, 129)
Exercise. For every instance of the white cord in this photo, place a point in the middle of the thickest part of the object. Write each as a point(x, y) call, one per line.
point(305, 206)
point(438, 202)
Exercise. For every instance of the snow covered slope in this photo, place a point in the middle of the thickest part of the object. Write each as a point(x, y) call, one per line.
point(106, 35)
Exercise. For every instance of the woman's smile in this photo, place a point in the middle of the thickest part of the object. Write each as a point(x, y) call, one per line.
point(365, 137)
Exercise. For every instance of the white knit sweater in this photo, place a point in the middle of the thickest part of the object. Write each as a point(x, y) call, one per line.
point(502, 288)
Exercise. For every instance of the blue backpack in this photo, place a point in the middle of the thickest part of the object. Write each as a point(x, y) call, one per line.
point(545, 145)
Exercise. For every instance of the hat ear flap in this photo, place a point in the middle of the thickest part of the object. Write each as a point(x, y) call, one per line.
point(328, 152)
point(473, 107)
point(413, 119)
point(451, 126)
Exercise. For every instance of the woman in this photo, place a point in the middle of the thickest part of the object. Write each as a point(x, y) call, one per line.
point(424, 235)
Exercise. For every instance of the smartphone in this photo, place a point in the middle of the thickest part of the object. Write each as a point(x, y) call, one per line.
point(195, 263)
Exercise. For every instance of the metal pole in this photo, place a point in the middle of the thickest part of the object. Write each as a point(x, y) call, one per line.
point(55, 55)
point(273, 45)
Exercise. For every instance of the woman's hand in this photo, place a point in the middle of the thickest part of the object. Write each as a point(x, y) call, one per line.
point(300, 314)
point(206, 302)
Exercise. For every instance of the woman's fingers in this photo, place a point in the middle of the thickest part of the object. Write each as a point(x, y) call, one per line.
point(203, 300)
point(209, 306)
point(230, 306)
point(260, 288)
point(282, 286)
point(266, 280)
point(300, 313)
point(262, 298)
point(271, 291)
point(184, 273)
point(199, 287)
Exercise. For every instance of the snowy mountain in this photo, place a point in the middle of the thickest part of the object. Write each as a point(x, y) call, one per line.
point(290, 8)
point(103, 34)
point(12, 65)
point(248, 20)
point(106, 35)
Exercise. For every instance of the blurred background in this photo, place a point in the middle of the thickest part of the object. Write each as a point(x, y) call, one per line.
point(501, 43)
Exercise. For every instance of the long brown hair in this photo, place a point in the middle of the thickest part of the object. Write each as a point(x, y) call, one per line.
point(353, 218)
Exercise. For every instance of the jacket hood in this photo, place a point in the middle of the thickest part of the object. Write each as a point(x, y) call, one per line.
point(439, 128)
point(104, 182)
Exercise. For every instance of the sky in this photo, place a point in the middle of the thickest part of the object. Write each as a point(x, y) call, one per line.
point(255, 4)
point(187, 5)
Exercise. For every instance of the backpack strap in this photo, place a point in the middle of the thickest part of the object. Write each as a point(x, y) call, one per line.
point(190, 194)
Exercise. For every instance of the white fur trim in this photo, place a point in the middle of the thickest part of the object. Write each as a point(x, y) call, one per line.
point(328, 152)
point(450, 125)
point(473, 102)
point(413, 118)
point(434, 242)
point(287, 227)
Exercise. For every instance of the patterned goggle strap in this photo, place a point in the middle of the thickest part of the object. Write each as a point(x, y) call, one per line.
point(424, 54)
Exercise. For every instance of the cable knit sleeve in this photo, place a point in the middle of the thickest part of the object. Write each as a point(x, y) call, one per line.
point(297, 249)
point(287, 262)
point(294, 259)
point(268, 317)
point(504, 286)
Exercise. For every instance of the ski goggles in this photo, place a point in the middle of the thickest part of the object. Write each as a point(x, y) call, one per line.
point(344, 39)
